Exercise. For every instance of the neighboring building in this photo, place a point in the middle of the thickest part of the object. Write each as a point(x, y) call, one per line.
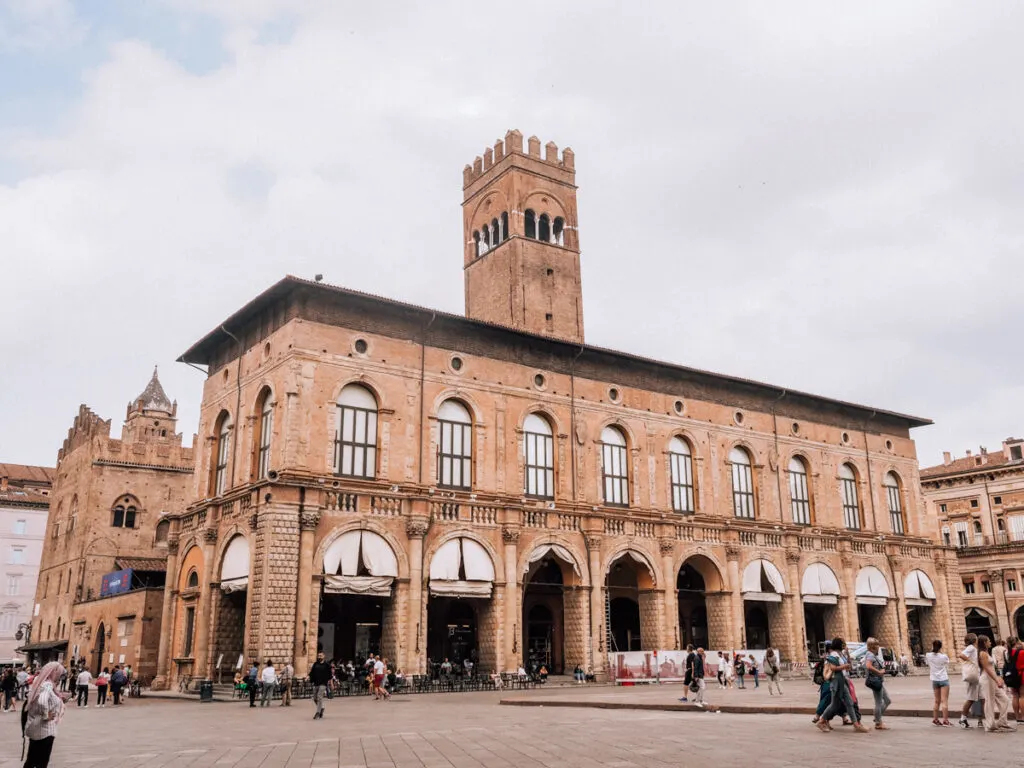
point(101, 582)
point(978, 501)
point(379, 476)
point(24, 504)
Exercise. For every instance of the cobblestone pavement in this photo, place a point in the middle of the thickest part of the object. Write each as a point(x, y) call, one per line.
point(471, 730)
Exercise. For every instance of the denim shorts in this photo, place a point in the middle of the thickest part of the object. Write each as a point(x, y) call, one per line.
point(940, 683)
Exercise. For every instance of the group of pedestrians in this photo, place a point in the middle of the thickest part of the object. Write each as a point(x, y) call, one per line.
point(264, 682)
point(106, 682)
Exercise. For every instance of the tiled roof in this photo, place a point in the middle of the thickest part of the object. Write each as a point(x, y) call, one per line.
point(143, 563)
point(153, 396)
point(970, 463)
point(26, 473)
point(24, 496)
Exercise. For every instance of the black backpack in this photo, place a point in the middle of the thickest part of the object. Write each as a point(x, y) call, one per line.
point(1011, 673)
point(819, 673)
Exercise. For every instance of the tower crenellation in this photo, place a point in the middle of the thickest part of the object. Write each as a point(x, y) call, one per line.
point(521, 255)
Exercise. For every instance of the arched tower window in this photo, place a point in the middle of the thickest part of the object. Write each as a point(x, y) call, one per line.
point(265, 409)
point(743, 500)
point(681, 474)
point(614, 467)
point(455, 446)
point(544, 228)
point(162, 530)
point(539, 455)
point(495, 232)
point(193, 579)
point(892, 495)
point(355, 440)
point(799, 497)
point(848, 492)
point(530, 219)
point(124, 512)
point(222, 434)
point(558, 231)
point(504, 226)
point(477, 245)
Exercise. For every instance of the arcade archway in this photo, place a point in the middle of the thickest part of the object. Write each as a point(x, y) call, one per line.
point(230, 608)
point(698, 576)
point(554, 610)
point(629, 595)
point(980, 623)
point(460, 610)
point(762, 590)
point(819, 591)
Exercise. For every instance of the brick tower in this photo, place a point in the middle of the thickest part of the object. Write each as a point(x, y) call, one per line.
point(522, 258)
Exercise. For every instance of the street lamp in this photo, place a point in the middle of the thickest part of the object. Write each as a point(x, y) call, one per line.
point(24, 631)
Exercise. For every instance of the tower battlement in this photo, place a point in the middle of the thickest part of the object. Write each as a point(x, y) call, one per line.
point(513, 145)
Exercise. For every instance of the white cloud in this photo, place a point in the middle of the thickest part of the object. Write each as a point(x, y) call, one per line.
point(31, 25)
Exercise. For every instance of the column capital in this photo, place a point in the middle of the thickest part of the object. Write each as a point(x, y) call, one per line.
point(995, 575)
point(510, 535)
point(592, 540)
point(793, 556)
point(416, 528)
point(309, 519)
point(732, 550)
point(847, 557)
point(666, 546)
point(210, 535)
point(172, 544)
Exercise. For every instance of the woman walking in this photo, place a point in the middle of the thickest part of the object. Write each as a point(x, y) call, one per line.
point(842, 698)
point(993, 690)
point(875, 680)
point(43, 712)
point(938, 672)
point(741, 669)
point(771, 671)
point(101, 687)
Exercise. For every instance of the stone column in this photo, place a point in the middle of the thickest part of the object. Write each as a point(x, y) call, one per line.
point(842, 618)
point(416, 653)
point(850, 589)
point(510, 651)
point(949, 594)
point(902, 637)
point(796, 628)
point(721, 631)
point(651, 621)
point(204, 622)
point(1005, 629)
point(598, 630)
point(576, 605)
point(167, 627)
point(737, 635)
point(305, 631)
point(670, 603)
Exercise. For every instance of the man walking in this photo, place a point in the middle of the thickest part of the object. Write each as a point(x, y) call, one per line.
point(687, 671)
point(698, 678)
point(82, 686)
point(319, 676)
point(269, 680)
point(252, 682)
point(117, 683)
point(286, 684)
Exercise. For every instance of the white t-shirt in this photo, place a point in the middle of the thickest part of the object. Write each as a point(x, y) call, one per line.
point(269, 675)
point(84, 677)
point(937, 667)
point(971, 652)
point(378, 667)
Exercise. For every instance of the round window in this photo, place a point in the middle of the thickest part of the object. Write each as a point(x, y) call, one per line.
point(613, 395)
point(795, 426)
point(888, 445)
point(538, 381)
point(361, 346)
point(845, 437)
point(738, 417)
point(456, 363)
point(677, 406)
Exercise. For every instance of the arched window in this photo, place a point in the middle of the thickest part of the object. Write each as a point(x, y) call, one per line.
point(742, 483)
point(485, 238)
point(222, 432)
point(73, 515)
point(124, 512)
point(355, 439)
point(495, 232)
point(680, 462)
point(614, 467)
point(504, 226)
point(162, 530)
point(265, 409)
point(538, 446)
point(193, 579)
point(455, 446)
point(477, 245)
point(848, 491)
point(530, 219)
point(544, 228)
point(558, 231)
point(800, 498)
point(892, 495)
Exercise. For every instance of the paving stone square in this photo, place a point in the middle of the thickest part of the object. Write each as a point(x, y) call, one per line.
point(475, 731)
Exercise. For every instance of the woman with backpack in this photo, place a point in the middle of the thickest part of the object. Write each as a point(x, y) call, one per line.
point(875, 680)
point(771, 671)
point(1013, 675)
point(41, 715)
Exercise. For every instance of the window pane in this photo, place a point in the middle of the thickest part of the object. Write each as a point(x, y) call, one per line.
point(360, 426)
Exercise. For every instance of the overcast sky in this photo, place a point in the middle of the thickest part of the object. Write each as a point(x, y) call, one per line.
point(824, 196)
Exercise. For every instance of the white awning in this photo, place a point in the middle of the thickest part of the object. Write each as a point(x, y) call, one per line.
point(443, 588)
point(819, 585)
point(872, 588)
point(376, 586)
point(554, 549)
point(234, 567)
point(463, 568)
point(360, 548)
point(760, 578)
point(918, 589)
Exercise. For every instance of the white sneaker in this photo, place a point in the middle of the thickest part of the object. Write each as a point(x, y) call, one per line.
point(699, 704)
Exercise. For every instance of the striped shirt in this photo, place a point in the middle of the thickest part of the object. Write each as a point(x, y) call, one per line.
point(42, 716)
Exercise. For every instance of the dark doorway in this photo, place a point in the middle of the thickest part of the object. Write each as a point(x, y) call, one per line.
point(625, 624)
point(543, 621)
point(99, 648)
point(979, 623)
point(914, 624)
point(755, 618)
point(814, 627)
point(693, 612)
point(350, 626)
point(229, 638)
point(867, 620)
point(451, 630)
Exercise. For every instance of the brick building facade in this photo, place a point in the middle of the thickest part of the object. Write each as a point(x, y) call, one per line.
point(107, 507)
point(978, 501)
point(378, 476)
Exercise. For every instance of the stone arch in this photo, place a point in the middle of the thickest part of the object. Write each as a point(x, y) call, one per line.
point(502, 205)
point(191, 560)
point(757, 557)
point(638, 556)
point(620, 424)
point(578, 565)
point(541, 207)
point(362, 380)
point(444, 538)
point(707, 565)
point(362, 525)
point(545, 412)
point(223, 541)
point(459, 394)
point(756, 457)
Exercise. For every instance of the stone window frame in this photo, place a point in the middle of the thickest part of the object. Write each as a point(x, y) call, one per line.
point(750, 477)
point(853, 511)
point(807, 502)
point(675, 470)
